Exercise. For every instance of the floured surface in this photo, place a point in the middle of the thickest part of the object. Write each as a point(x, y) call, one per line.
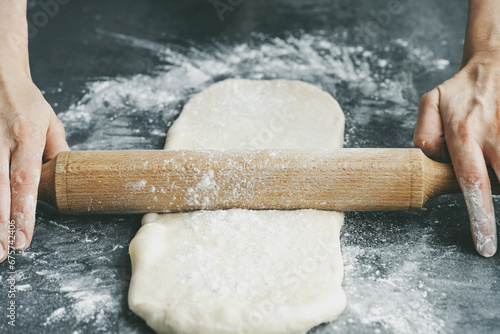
point(130, 101)
point(242, 271)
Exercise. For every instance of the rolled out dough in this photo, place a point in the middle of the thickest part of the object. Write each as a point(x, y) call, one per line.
point(244, 271)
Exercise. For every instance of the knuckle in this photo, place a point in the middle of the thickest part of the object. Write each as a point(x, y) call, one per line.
point(478, 103)
point(23, 131)
point(57, 120)
point(473, 178)
point(432, 96)
point(419, 140)
point(58, 127)
point(465, 127)
point(24, 177)
point(426, 101)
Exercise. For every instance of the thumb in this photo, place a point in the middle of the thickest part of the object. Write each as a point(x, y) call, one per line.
point(56, 141)
point(429, 134)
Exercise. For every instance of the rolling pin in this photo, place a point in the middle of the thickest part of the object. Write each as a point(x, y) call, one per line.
point(185, 180)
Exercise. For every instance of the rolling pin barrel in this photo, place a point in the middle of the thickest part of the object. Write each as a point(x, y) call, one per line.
point(185, 180)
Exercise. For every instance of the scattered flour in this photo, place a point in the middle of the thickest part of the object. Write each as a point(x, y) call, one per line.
point(368, 86)
point(356, 75)
point(56, 316)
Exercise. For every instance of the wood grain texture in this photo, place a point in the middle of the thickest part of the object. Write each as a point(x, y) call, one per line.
point(185, 180)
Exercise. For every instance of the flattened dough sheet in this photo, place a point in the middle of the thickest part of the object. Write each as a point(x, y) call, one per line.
point(244, 271)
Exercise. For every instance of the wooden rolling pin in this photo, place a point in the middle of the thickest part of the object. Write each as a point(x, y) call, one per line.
point(185, 180)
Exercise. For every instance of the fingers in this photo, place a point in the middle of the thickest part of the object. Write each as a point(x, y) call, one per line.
point(4, 203)
point(429, 135)
point(56, 141)
point(472, 174)
point(24, 179)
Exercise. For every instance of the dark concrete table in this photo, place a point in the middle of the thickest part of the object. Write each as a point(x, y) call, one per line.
point(118, 73)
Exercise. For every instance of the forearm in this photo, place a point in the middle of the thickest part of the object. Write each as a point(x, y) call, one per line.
point(483, 28)
point(14, 56)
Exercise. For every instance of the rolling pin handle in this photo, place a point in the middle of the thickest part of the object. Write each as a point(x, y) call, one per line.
point(440, 179)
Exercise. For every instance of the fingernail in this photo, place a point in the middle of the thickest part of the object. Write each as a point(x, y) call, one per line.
point(2, 252)
point(20, 240)
point(487, 246)
point(483, 224)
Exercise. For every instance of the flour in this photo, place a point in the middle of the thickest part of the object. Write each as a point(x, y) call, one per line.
point(396, 301)
point(137, 186)
point(482, 222)
point(55, 316)
point(207, 181)
point(371, 91)
point(242, 271)
point(110, 106)
point(90, 303)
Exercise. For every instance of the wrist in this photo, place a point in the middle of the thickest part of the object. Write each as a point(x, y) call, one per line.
point(481, 49)
point(13, 77)
point(482, 35)
point(14, 71)
point(485, 57)
point(14, 56)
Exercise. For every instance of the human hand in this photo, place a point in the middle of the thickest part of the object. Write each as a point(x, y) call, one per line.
point(462, 116)
point(29, 132)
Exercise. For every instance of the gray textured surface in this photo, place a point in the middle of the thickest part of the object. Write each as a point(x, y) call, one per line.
point(118, 73)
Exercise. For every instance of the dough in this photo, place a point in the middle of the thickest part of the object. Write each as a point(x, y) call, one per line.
point(256, 114)
point(244, 271)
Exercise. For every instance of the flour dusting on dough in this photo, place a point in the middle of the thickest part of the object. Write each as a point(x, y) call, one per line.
point(242, 271)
